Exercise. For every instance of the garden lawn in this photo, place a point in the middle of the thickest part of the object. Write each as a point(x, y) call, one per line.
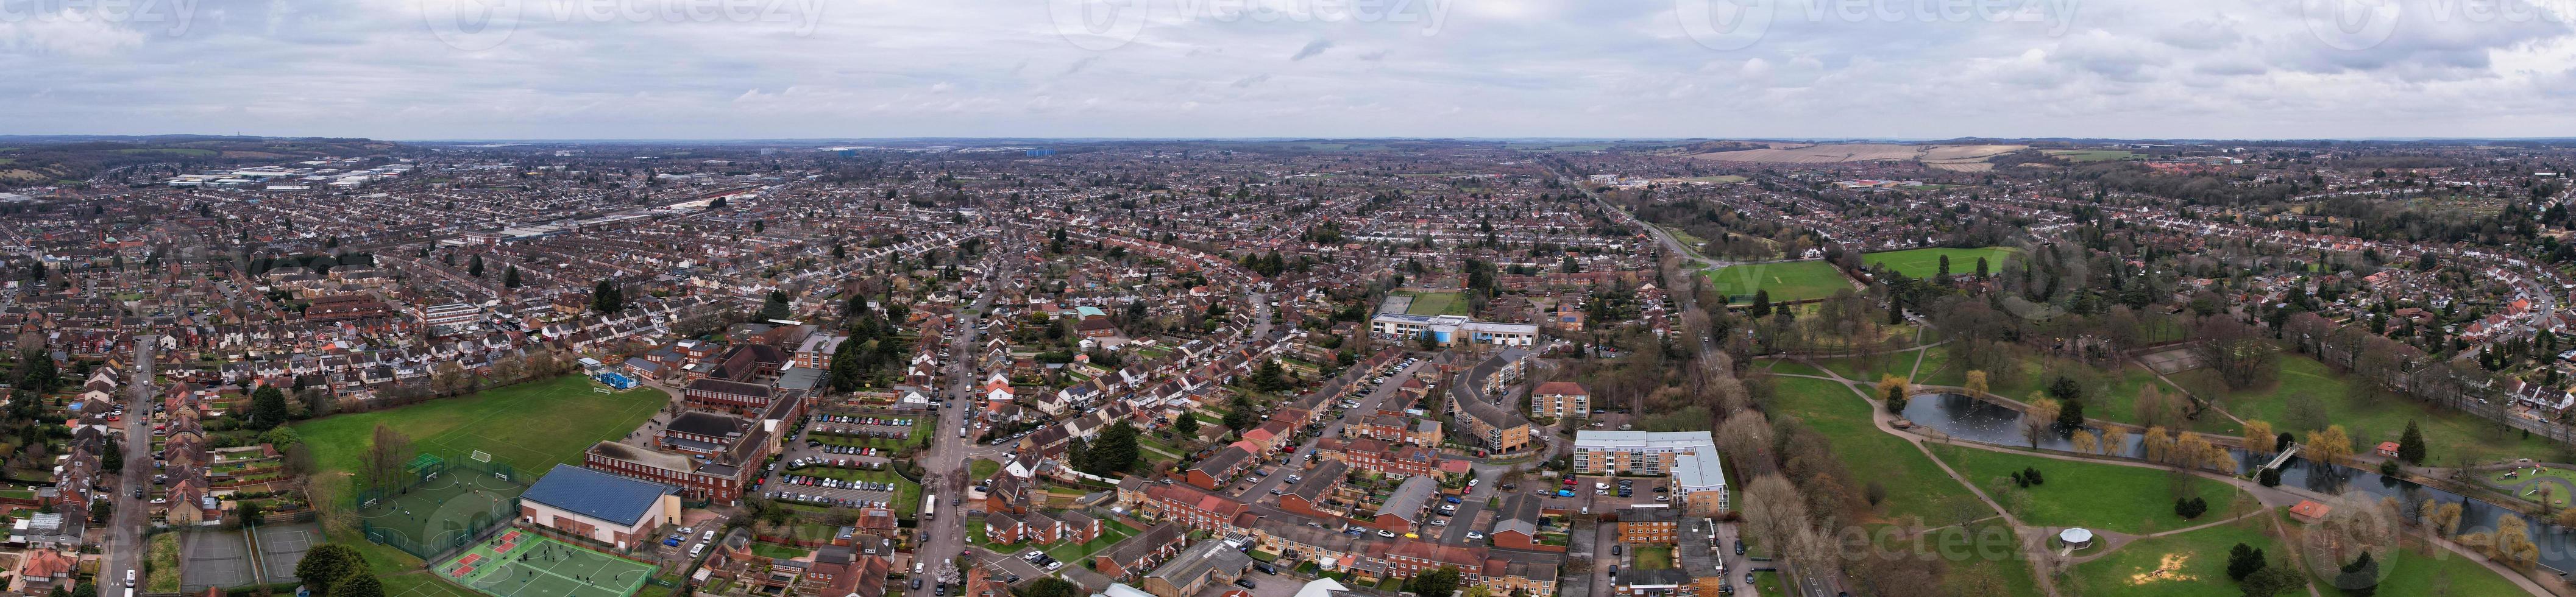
point(1791, 281)
point(1654, 558)
point(2185, 565)
point(773, 550)
point(161, 563)
point(1915, 485)
point(982, 469)
point(2095, 495)
point(1925, 263)
point(2370, 417)
point(531, 426)
point(1110, 534)
point(1767, 583)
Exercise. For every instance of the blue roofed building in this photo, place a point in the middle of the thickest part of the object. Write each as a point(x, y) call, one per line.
point(607, 508)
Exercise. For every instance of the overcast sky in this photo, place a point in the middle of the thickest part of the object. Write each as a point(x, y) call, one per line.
point(531, 69)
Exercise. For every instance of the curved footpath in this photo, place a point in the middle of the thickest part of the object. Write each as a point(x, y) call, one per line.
point(2036, 550)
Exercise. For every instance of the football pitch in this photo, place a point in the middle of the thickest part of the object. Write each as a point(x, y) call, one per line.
point(1925, 263)
point(518, 563)
point(1791, 281)
point(531, 426)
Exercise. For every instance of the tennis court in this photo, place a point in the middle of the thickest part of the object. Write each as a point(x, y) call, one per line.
point(281, 547)
point(213, 559)
point(518, 563)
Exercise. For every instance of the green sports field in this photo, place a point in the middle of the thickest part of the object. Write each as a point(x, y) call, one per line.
point(1437, 303)
point(1791, 281)
point(530, 426)
point(1925, 263)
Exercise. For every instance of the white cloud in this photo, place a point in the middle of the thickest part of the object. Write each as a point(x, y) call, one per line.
point(855, 68)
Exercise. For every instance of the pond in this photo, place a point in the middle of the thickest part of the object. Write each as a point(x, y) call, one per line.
point(1972, 419)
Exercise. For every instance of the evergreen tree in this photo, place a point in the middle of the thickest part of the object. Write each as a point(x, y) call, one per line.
point(1761, 306)
point(510, 277)
point(2070, 416)
point(776, 306)
point(606, 298)
point(1239, 415)
point(1115, 452)
point(2273, 581)
point(358, 583)
point(1269, 377)
point(475, 267)
point(1435, 583)
point(2243, 561)
point(1187, 425)
point(2359, 578)
point(847, 373)
point(267, 407)
point(325, 565)
point(2410, 446)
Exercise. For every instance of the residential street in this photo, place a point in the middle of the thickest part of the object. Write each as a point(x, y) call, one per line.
point(124, 544)
point(944, 465)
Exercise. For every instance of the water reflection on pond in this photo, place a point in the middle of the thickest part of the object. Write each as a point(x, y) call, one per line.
point(1969, 418)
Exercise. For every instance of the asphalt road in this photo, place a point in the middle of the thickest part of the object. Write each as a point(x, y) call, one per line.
point(124, 546)
point(944, 536)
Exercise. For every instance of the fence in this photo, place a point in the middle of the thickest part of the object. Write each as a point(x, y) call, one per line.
point(430, 551)
point(367, 497)
point(475, 528)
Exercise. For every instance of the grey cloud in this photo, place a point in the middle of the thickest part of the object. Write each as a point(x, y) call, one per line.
point(1312, 48)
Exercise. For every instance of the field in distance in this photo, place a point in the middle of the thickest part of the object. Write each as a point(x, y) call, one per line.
point(1966, 158)
point(1925, 263)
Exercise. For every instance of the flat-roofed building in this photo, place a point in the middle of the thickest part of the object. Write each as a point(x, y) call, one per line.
point(1689, 457)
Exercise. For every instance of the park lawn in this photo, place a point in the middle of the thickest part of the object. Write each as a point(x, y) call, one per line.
point(1915, 485)
point(2414, 573)
point(1925, 263)
point(1868, 367)
point(1767, 583)
point(1437, 303)
point(2187, 564)
point(2014, 570)
point(531, 426)
point(1988, 546)
point(2110, 497)
point(1791, 281)
point(1789, 367)
point(2370, 417)
point(982, 469)
point(2109, 395)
